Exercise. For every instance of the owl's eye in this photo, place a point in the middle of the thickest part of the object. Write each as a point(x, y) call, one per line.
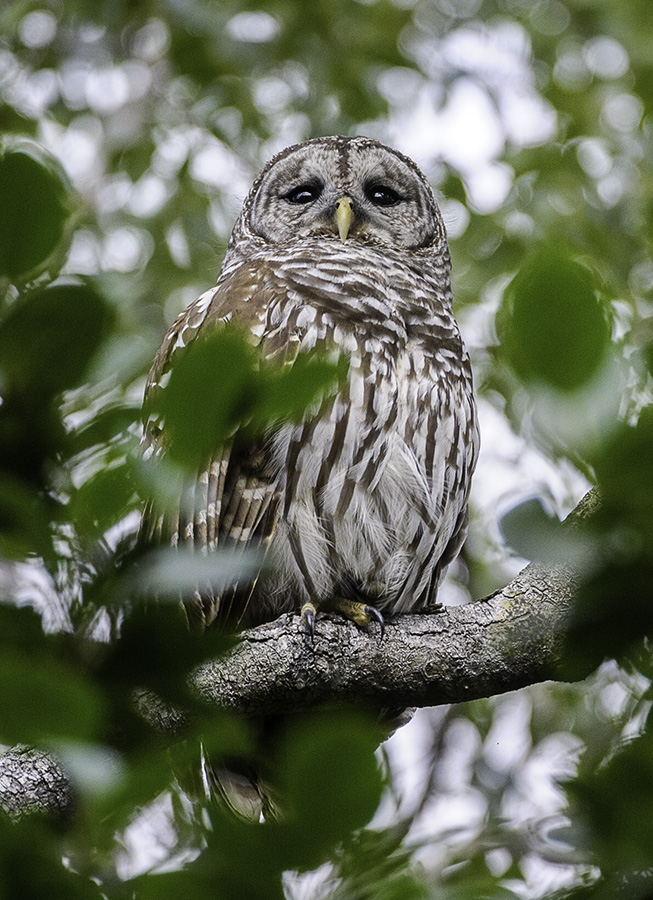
point(303, 193)
point(381, 195)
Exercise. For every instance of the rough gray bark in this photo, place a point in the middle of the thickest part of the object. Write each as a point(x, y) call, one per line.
point(32, 781)
point(500, 643)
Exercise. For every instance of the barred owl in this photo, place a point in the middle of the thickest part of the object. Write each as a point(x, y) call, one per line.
point(360, 507)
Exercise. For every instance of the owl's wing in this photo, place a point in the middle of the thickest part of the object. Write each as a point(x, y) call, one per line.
point(233, 501)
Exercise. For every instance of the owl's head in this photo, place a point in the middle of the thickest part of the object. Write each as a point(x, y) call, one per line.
point(343, 189)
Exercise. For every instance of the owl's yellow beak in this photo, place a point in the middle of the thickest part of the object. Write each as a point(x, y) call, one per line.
point(344, 215)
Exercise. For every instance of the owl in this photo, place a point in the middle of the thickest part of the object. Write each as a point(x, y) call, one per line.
point(360, 507)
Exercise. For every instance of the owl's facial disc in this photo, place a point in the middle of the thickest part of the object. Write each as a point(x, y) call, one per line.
point(346, 189)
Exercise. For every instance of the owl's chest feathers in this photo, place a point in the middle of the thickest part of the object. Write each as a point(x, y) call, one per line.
point(354, 304)
point(366, 478)
point(363, 468)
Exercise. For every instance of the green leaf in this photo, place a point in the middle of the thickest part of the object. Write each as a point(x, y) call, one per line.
point(329, 781)
point(49, 337)
point(107, 424)
point(535, 535)
point(111, 787)
point(24, 518)
point(34, 208)
point(217, 384)
point(552, 327)
point(103, 499)
point(42, 696)
point(150, 634)
point(288, 394)
point(376, 861)
point(624, 470)
point(612, 615)
point(613, 612)
point(616, 802)
point(31, 865)
point(43, 699)
point(211, 387)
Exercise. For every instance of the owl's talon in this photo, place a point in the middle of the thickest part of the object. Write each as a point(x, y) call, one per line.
point(374, 613)
point(359, 613)
point(308, 618)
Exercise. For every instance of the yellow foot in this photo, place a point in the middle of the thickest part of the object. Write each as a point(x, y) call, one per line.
point(359, 613)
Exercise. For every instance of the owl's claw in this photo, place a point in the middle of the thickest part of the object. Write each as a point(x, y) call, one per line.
point(308, 618)
point(374, 613)
point(359, 613)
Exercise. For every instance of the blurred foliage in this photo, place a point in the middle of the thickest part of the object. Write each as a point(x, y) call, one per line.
point(29, 183)
point(219, 383)
point(131, 132)
point(555, 332)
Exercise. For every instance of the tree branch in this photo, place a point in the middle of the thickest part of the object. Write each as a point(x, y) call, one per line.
point(32, 781)
point(501, 643)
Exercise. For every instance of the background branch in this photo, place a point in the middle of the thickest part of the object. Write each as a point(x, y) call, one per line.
point(32, 781)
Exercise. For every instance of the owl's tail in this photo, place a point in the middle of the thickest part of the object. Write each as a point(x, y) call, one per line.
point(238, 788)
